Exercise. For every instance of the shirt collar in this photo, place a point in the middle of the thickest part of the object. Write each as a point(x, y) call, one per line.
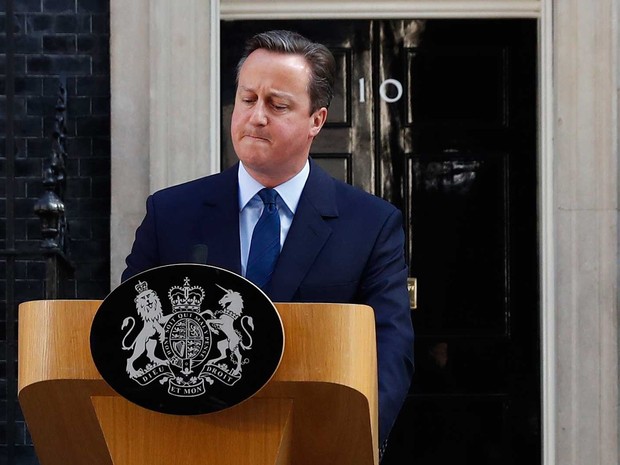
point(290, 191)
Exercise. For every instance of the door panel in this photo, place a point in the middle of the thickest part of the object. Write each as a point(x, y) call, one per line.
point(458, 203)
point(439, 118)
point(468, 141)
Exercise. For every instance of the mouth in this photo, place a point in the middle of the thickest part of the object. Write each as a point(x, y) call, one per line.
point(257, 137)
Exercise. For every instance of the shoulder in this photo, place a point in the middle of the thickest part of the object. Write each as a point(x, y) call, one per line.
point(358, 196)
point(197, 190)
point(350, 198)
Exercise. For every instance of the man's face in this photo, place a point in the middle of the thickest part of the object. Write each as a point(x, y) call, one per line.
point(272, 128)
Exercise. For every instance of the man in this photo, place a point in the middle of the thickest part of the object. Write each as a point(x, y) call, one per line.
point(337, 243)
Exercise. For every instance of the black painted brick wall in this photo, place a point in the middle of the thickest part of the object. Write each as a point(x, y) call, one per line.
point(52, 38)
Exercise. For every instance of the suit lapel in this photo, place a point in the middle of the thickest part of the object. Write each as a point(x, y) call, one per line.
point(220, 221)
point(307, 236)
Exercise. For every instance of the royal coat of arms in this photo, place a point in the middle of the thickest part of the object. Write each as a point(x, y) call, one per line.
point(185, 337)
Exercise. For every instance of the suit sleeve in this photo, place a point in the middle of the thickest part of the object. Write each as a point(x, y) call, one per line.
point(144, 252)
point(384, 288)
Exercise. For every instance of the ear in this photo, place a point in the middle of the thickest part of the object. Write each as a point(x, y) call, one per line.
point(318, 119)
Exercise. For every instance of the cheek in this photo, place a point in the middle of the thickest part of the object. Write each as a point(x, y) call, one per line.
point(291, 131)
point(298, 134)
point(236, 120)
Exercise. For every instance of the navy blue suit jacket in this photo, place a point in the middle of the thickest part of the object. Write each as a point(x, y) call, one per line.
point(344, 246)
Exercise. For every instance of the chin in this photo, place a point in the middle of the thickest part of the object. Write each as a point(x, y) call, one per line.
point(257, 164)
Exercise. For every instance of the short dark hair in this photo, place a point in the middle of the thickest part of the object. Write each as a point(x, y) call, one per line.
point(318, 56)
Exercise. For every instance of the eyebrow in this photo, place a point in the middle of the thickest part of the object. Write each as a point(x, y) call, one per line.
point(272, 93)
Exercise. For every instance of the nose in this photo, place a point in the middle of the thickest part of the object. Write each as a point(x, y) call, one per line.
point(259, 115)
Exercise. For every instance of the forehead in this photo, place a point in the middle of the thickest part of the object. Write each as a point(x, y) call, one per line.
point(285, 72)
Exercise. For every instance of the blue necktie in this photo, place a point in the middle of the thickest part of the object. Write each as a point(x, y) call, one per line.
point(265, 245)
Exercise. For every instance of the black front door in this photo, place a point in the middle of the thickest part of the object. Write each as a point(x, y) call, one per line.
point(439, 117)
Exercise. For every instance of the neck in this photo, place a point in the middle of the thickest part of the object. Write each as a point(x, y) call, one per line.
point(271, 180)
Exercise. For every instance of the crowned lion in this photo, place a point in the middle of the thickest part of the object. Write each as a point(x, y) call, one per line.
point(150, 311)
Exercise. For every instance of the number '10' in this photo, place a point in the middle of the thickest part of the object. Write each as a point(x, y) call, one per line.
point(382, 90)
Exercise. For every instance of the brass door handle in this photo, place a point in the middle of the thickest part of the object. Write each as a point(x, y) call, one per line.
point(412, 288)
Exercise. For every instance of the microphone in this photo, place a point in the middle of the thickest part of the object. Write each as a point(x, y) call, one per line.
point(200, 252)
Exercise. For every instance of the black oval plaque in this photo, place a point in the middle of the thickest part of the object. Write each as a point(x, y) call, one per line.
point(187, 339)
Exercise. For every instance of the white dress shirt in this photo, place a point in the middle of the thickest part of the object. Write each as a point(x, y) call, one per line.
point(251, 206)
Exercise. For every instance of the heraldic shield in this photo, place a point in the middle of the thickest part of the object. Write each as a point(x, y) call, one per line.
point(187, 339)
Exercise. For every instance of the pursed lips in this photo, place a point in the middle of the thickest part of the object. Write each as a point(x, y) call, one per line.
point(257, 137)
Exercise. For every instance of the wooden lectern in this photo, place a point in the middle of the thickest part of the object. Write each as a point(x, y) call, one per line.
point(320, 407)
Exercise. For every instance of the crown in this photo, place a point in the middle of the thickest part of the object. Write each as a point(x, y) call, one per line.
point(141, 287)
point(186, 298)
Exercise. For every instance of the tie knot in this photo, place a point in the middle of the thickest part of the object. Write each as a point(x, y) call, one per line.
point(268, 196)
